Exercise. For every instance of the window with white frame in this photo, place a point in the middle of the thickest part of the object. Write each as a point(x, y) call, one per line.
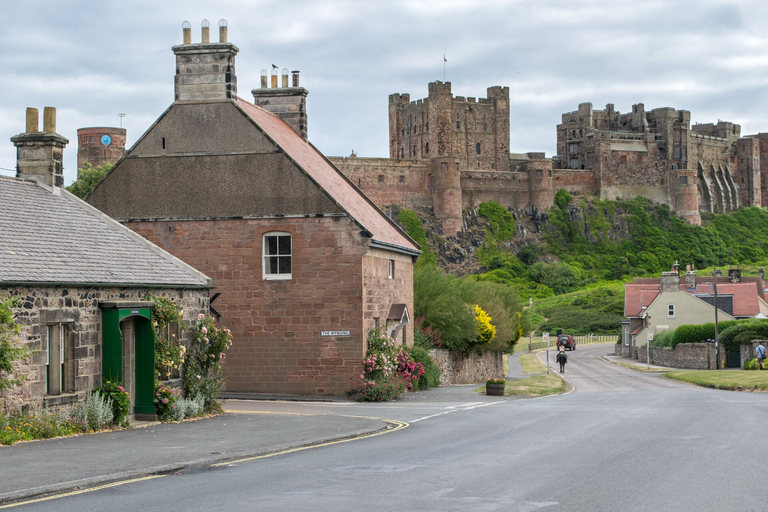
point(391, 272)
point(277, 256)
point(670, 311)
point(59, 365)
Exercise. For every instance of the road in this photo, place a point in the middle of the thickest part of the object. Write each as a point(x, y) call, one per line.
point(619, 441)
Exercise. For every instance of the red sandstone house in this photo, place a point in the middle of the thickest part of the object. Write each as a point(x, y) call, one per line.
point(661, 304)
point(81, 281)
point(304, 264)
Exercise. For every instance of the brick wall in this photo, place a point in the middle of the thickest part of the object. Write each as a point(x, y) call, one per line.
point(277, 324)
point(379, 291)
point(78, 309)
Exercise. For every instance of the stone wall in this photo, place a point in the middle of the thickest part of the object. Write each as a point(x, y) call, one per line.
point(696, 356)
point(468, 369)
point(77, 309)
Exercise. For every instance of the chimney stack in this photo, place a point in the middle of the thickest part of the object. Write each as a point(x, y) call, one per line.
point(670, 281)
point(734, 275)
point(288, 103)
point(39, 155)
point(205, 70)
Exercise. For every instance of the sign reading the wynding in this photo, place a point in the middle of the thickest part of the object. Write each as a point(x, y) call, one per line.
point(334, 333)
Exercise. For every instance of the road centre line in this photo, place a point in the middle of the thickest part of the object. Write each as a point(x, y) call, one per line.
point(81, 491)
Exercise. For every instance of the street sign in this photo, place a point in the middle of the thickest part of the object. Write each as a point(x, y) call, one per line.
point(650, 335)
point(545, 337)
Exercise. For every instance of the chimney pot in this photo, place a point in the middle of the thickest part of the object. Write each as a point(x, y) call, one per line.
point(223, 31)
point(49, 119)
point(284, 77)
point(205, 31)
point(186, 28)
point(274, 78)
point(263, 78)
point(295, 78)
point(33, 117)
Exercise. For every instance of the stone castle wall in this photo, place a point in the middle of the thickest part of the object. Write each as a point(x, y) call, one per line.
point(468, 368)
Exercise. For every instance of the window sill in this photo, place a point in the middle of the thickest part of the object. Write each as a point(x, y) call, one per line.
point(284, 277)
point(62, 399)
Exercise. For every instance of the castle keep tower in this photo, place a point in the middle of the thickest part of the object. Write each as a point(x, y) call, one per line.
point(476, 131)
point(288, 103)
point(40, 154)
point(205, 70)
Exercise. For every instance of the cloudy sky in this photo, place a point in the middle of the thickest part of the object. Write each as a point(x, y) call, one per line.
point(92, 60)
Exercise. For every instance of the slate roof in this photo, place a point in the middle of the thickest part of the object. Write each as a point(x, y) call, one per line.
point(59, 239)
point(330, 179)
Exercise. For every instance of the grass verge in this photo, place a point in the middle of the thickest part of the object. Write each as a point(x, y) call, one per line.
point(733, 380)
point(535, 385)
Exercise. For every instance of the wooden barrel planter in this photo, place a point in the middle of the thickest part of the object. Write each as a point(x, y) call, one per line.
point(494, 389)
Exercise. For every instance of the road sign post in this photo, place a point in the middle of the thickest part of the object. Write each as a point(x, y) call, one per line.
point(648, 349)
point(545, 337)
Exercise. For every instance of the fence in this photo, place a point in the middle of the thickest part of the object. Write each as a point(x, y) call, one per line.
point(537, 343)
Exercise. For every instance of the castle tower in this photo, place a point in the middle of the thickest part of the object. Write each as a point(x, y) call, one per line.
point(446, 193)
point(288, 103)
point(39, 154)
point(685, 195)
point(99, 146)
point(540, 185)
point(205, 70)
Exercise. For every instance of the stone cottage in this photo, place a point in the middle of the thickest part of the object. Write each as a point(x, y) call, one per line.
point(81, 281)
point(304, 263)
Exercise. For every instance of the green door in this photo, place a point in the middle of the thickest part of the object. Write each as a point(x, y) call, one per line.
point(144, 361)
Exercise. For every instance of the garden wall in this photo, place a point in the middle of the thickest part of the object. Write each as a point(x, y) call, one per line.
point(748, 351)
point(468, 368)
point(696, 356)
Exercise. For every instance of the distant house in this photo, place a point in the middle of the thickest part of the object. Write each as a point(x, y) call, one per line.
point(303, 262)
point(661, 304)
point(81, 280)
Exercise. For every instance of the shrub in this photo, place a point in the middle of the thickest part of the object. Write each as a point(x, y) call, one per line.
point(562, 199)
point(501, 220)
point(120, 400)
point(39, 424)
point(729, 333)
point(204, 375)
point(383, 389)
point(11, 349)
point(412, 225)
point(559, 276)
point(661, 339)
point(436, 301)
point(425, 335)
point(486, 331)
point(165, 403)
point(751, 364)
point(95, 413)
point(410, 371)
point(431, 376)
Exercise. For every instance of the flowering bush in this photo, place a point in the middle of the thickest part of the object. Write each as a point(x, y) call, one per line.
point(165, 402)
point(425, 335)
point(169, 355)
point(204, 374)
point(495, 381)
point(169, 352)
point(409, 370)
point(121, 401)
point(385, 388)
point(11, 348)
point(486, 331)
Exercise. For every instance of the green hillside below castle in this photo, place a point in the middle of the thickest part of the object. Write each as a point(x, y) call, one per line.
point(573, 259)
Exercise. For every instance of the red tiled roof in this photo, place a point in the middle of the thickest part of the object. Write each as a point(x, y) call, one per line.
point(745, 296)
point(637, 295)
point(330, 179)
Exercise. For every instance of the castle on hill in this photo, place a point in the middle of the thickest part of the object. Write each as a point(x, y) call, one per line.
point(452, 153)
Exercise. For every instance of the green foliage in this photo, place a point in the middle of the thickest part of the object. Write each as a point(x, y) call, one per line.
point(699, 333)
point(435, 299)
point(120, 399)
point(562, 199)
point(388, 370)
point(495, 381)
point(11, 349)
point(751, 364)
point(204, 375)
point(412, 225)
point(597, 310)
point(87, 178)
point(384, 389)
point(96, 412)
point(558, 276)
point(43, 424)
point(169, 352)
point(732, 334)
point(165, 402)
point(501, 220)
point(660, 339)
point(431, 376)
point(529, 253)
point(502, 303)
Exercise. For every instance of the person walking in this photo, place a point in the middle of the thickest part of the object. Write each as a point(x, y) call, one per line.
point(760, 355)
point(562, 359)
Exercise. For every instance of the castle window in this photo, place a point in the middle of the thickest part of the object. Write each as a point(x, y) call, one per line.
point(538, 174)
point(477, 148)
point(426, 148)
point(684, 180)
point(458, 125)
point(381, 178)
point(414, 151)
point(485, 127)
point(444, 166)
point(402, 152)
point(573, 134)
point(277, 256)
point(581, 133)
point(402, 178)
point(574, 163)
point(162, 143)
point(676, 152)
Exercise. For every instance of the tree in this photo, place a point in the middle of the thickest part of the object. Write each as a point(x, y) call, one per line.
point(87, 178)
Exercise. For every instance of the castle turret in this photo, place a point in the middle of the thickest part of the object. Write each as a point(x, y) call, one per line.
point(446, 193)
point(39, 155)
point(287, 102)
point(99, 146)
point(205, 70)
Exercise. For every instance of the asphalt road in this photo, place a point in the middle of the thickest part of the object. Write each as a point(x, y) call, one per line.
point(619, 441)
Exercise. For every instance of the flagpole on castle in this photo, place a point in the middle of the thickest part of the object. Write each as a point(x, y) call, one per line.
point(444, 61)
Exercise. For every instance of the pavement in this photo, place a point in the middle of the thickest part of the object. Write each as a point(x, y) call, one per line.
point(634, 364)
point(64, 464)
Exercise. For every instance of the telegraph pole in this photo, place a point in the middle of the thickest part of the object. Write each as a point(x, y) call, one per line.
point(717, 338)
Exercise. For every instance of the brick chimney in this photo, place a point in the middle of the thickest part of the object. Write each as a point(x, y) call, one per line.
point(39, 154)
point(205, 70)
point(690, 280)
point(289, 103)
point(734, 275)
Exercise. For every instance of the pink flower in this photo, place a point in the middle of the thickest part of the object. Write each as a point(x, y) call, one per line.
point(164, 400)
point(121, 388)
point(205, 331)
point(200, 316)
point(198, 377)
